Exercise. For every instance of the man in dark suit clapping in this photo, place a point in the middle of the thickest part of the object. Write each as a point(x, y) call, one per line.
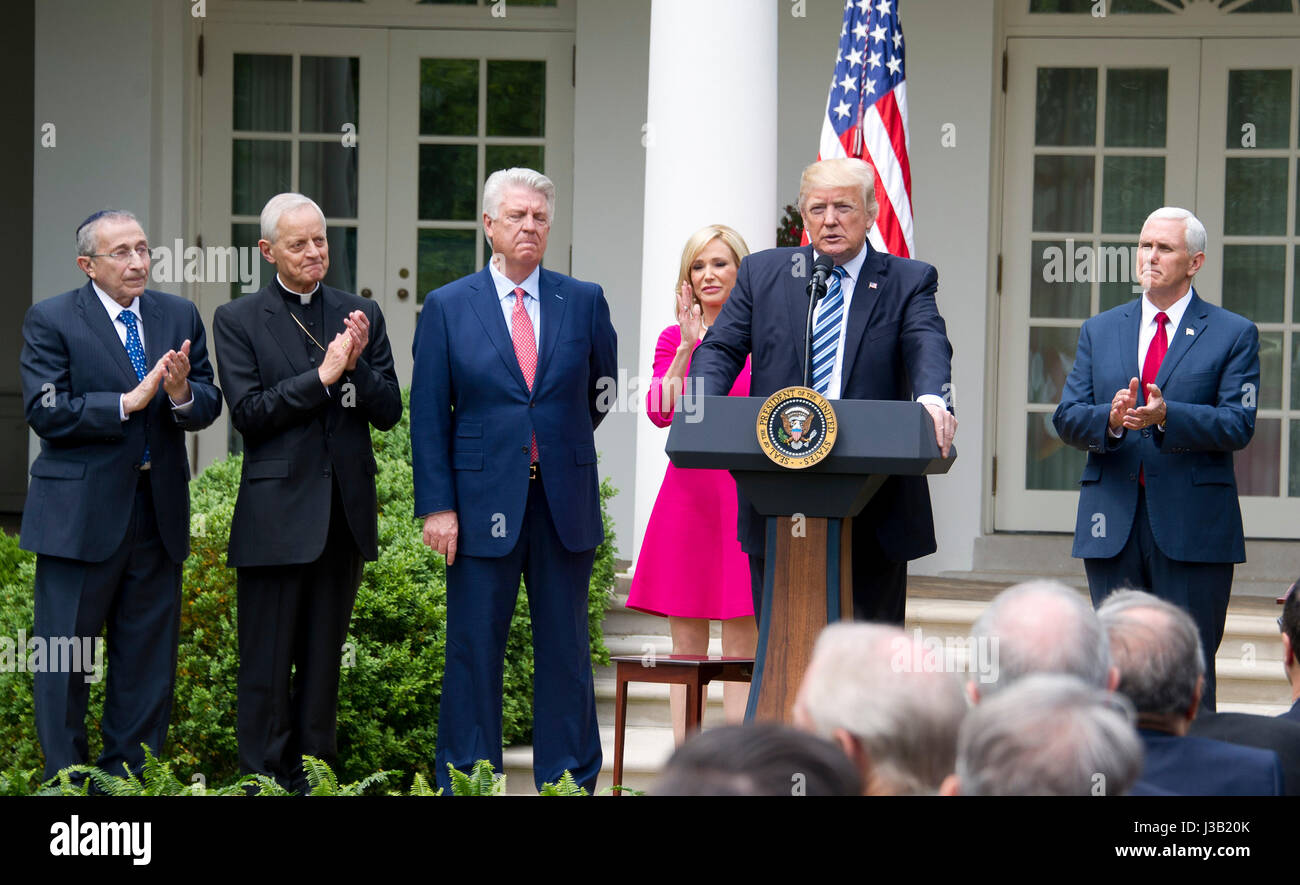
point(306, 369)
point(113, 376)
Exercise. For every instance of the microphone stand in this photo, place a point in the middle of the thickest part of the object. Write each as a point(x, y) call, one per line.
point(816, 289)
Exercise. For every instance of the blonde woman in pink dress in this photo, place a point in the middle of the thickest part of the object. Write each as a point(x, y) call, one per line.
point(691, 568)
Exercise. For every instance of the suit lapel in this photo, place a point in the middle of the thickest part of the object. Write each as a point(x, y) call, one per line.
point(155, 333)
point(1194, 318)
point(1128, 340)
point(92, 311)
point(283, 329)
point(796, 299)
point(552, 307)
point(485, 303)
point(866, 291)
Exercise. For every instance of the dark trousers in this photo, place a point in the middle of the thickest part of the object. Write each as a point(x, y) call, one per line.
point(137, 593)
point(1201, 589)
point(481, 594)
point(879, 583)
point(293, 620)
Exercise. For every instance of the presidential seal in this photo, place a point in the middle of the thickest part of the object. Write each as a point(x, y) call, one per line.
point(796, 427)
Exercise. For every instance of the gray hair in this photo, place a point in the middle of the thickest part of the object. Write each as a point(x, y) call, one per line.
point(516, 177)
point(905, 717)
point(275, 208)
point(1157, 649)
point(1193, 230)
point(88, 230)
point(1049, 735)
point(1043, 627)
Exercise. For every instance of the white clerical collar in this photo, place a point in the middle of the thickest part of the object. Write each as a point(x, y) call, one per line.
point(505, 286)
point(854, 266)
point(113, 307)
point(304, 299)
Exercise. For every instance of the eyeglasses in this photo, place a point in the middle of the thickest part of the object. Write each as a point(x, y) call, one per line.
point(1286, 596)
point(124, 255)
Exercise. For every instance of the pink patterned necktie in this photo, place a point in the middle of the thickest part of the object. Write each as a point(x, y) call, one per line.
point(521, 333)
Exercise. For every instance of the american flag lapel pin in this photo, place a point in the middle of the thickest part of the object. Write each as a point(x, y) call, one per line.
point(872, 285)
point(1189, 331)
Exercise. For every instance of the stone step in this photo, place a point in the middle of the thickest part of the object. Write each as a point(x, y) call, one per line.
point(646, 752)
point(1269, 569)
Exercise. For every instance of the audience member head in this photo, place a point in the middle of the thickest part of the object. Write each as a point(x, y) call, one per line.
point(1290, 626)
point(1048, 735)
point(867, 689)
point(1041, 627)
point(762, 759)
point(1157, 649)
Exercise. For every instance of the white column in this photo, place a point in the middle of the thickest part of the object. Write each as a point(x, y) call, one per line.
point(710, 139)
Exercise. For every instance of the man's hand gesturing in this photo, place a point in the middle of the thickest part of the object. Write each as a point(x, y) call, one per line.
point(1124, 400)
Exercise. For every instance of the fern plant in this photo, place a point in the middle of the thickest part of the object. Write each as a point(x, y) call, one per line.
point(479, 782)
point(321, 780)
point(567, 786)
point(420, 787)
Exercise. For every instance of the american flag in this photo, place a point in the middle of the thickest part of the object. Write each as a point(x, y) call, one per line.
point(866, 115)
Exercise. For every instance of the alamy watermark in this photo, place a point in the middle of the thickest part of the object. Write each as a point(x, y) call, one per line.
point(1086, 263)
point(53, 654)
point(948, 654)
point(214, 264)
point(629, 393)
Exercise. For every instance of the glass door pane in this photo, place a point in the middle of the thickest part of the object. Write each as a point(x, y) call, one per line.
point(1102, 141)
point(1251, 210)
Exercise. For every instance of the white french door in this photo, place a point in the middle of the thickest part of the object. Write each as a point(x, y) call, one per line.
point(392, 131)
point(463, 104)
point(1099, 133)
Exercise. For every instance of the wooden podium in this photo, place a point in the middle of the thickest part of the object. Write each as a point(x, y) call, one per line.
point(808, 580)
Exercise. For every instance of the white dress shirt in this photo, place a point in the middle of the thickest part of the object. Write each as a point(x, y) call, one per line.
point(852, 272)
point(114, 309)
point(532, 304)
point(1147, 334)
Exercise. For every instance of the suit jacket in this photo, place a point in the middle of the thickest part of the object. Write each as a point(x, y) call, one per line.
point(1293, 714)
point(1210, 381)
point(297, 437)
point(895, 348)
point(1197, 766)
point(1265, 732)
point(472, 414)
point(74, 371)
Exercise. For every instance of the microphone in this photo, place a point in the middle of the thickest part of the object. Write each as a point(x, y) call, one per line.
point(822, 269)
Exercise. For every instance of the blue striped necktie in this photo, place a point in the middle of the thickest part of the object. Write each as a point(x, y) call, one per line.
point(826, 332)
point(135, 350)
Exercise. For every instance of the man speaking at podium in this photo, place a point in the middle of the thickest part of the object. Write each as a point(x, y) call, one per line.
point(877, 335)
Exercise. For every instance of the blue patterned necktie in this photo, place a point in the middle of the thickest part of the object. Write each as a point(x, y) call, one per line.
point(826, 332)
point(135, 350)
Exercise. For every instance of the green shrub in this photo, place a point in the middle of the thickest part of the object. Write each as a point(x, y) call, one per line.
point(393, 661)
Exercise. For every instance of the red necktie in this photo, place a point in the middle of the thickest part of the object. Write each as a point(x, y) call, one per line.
point(1156, 351)
point(521, 333)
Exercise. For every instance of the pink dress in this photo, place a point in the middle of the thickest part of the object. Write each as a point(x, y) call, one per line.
point(691, 565)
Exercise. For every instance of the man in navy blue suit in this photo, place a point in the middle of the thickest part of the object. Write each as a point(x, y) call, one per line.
point(509, 363)
point(113, 376)
point(1157, 649)
point(1158, 502)
point(878, 335)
